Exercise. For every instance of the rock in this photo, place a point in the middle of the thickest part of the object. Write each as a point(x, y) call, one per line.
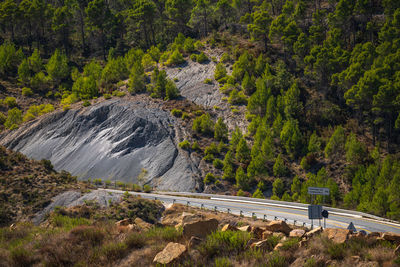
point(313, 232)
point(374, 234)
point(127, 228)
point(279, 235)
point(303, 243)
point(337, 235)
point(199, 228)
point(112, 139)
point(228, 227)
point(397, 250)
point(251, 242)
point(297, 233)
point(246, 228)
point(257, 232)
point(194, 242)
point(278, 226)
point(187, 218)
point(263, 245)
point(142, 224)
point(171, 253)
point(355, 258)
point(266, 234)
point(123, 222)
point(392, 237)
point(278, 246)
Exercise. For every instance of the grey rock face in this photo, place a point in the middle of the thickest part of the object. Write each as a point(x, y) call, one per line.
point(114, 140)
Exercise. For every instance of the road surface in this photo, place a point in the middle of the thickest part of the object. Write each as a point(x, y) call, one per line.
point(292, 212)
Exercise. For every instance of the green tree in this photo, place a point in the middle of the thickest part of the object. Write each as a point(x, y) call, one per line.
point(336, 143)
point(293, 105)
point(258, 194)
point(24, 72)
point(10, 58)
point(171, 91)
point(279, 168)
point(57, 67)
point(221, 130)
point(220, 71)
point(356, 152)
point(229, 171)
point(259, 28)
point(242, 151)
point(314, 144)
point(14, 118)
point(278, 188)
point(291, 137)
point(242, 180)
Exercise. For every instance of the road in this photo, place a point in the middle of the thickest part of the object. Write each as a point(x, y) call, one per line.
point(292, 212)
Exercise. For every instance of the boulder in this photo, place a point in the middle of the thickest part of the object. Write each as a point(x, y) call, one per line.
point(257, 232)
point(297, 233)
point(337, 235)
point(303, 243)
point(278, 247)
point(142, 224)
point(199, 228)
point(187, 218)
point(266, 234)
point(171, 253)
point(123, 222)
point(127, 228)
point(313, 232)
point(194, 242)
point(228, 227)
point(263, 245)
point(392, 237)
point(278, 226)
point(246, 228)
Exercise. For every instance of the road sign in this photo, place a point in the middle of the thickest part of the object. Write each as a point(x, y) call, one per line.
point(325, 213)
point(318, 191)
point(314, 212)
point(351, 227)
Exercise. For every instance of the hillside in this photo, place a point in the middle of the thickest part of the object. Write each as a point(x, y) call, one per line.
point(257, 98)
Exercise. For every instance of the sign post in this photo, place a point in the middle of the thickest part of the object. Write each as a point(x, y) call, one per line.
point(315, 211)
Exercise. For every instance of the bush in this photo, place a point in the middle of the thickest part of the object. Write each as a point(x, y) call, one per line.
point(14, 118)
point(198, 45)
point(209, 179)
point(222, 262)
point(147, 188)
point(225, 58)
point(336, 251)
point(224, 243)
point(3, 118)
point(196, 146)
point(167, 233)
point(209, 158)
point(220, 71)
point(135, 240)
point(188, 45)
point(116, 70)
point(57, 67)
point(22, 257)
point(114, 251)
point(87, 234)
point(176, 112)
point(175, 58)
point(237, 98)
point(211, 149)
point(107, 96)
point(27, 91)
point(217, 163)
point(10, 58)
point(185, 144)
point(10, 101)
point(86, 103)
point(66, 222)
point(203, 125)
point(208, 81)
point(185, 116)
point(193, 57)
point(202, 58)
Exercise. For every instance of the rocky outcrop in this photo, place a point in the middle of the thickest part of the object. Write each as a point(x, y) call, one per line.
point(171, 253)
point(246, 228)
point(337, 235)
point(200, 228)
point(278, 226)
point(263, 245)
point(392, 237)
point(115, 139)
point(297, 233)
point(313, 232)
point(228, 227)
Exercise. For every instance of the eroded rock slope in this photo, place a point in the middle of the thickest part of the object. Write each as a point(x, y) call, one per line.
point(115, 139)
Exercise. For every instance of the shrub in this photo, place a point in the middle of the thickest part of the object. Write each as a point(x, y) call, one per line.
point(240, 193)
point(222, 262)
point(304, 164)
point(86, 103)
point(147, 62)
point(204, 125)
point(68, 99)
point(185, 116)
point(10, 58)
point(137, 79)
point(196, 146)
point(22, 257)
point(27, 91)
point(211, 149)
point(115, 71)
point(57, 67)
point(176, 112)
point(114, 251)
point(147, 188)
point(154, 52)
point(209, 157)
point(224, 243)
point(118, 93)
point(225, 58)
point(208, 81)
point(85, 87)
point(14, 118)
point(258, 194)
point(336, 251)
point(3, 118)
point(217, 163)
point(188, 45)
point(237, 98)
point(220, 71)
point(10, 101)
point(185, 144)
point(198, 45)
point(167, 233)
point(87, 234)
point(202, 58)
point(209, 179)
point(193, 57)
point(66, 222)
point(175, 58)
point(135, 240)
point(107, 96)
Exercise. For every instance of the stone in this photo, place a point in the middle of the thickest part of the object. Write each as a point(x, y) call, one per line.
point(297, 233)
point(278, 226)
point(355, 258)
point(187, 217)
point(142, 224)
point(172, 252)
point(246, 228)
point(194, 242)
point(303, 243)
point(392, 237)
point(199, 228)
point(228, 227)
point(337, 235)
point(127, 228)
point(257, 232)
point(266, 234)
point(123, 222)
point(397, 250)
point(279, 235)
point(263, 245)
point(278, 246)
point(313, 232)
point(251, 242)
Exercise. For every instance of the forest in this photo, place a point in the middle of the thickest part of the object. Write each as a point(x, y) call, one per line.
point(320, 81)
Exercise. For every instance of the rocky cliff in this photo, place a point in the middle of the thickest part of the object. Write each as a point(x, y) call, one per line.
point(129, 141)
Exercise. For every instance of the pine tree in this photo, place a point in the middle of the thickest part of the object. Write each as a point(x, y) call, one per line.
point(242, 180)
point(314, 144)
point(291, 138)
point(137, 79)
point(335, 146)
point(356, 152)
point(229, 171)
point(278, 188)
point(221, 131)
point(57, 67)
point(258, 194)
point(242, 152)
point(279, 167)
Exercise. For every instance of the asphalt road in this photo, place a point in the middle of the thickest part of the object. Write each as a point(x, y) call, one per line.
point(271, 211)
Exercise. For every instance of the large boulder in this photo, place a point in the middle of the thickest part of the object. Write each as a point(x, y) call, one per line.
point(171, 253)
point(123, 222)
point(263, 245)
point(142, 224)
point(313, 232)
point(337, 235)
point(392, 237)
point(246, 228)
point(200, 228)
point(297, 233)
point(278, 226)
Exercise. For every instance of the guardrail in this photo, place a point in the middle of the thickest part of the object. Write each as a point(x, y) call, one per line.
point(236, 211)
